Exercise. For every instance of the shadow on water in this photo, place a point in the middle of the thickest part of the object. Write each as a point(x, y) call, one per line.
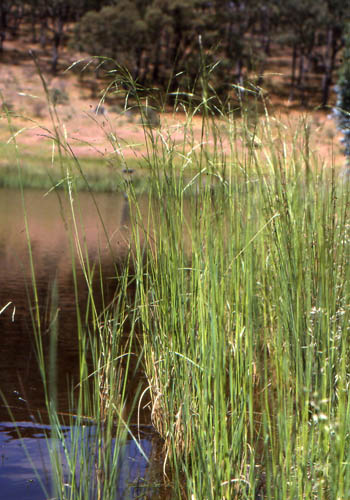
point(105, 244)
point(19, 458)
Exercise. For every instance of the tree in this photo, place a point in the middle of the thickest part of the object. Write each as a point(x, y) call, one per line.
point(336, 13)
point(54, 16)
point(299, 23)
point(342, 110)
point(234, 20)
point(11, 13)
point(184, 21)
point(117, 32)
point(158, 28)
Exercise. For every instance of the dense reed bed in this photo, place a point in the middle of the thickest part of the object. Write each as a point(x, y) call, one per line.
point(243, 303)
point(240, 308)
point(246, 325)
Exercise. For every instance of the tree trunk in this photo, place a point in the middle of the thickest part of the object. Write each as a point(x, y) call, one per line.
point(43, 33)
point(266, 32)
point(3, 26)
point(229, 41)
point(239, 71)
point(17, 17)
point(145, 69)
point(138, 61)
point(331, 52)
point(301, 78)
point(176, 56)
point(57, 39)
point(54, 60)
point(294, 68)
point(156, 62)
point(33, 25)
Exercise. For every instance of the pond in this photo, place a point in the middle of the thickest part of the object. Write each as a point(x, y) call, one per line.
point(24, 430)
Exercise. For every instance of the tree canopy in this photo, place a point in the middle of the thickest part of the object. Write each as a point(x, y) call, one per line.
point(156, 39)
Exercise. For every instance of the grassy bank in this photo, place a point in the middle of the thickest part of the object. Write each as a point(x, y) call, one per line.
point(43, 169)
point(240, 306)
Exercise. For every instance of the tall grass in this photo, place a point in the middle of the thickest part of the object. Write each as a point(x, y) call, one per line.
point(241, 306)
point(245, 319)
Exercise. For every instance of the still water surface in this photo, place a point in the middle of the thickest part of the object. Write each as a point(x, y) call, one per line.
point(25, 463)
point(49, 217)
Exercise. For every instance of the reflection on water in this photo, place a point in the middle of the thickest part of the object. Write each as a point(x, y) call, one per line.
point(31, 480)
point(49, 219)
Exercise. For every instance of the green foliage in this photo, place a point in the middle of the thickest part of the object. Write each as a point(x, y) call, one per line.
point(342, 111)
point(117, 32)
point(59, 96)
point(157, 39)
point(242, 295)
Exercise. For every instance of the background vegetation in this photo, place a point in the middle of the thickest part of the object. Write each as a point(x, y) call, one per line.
point(158, 39)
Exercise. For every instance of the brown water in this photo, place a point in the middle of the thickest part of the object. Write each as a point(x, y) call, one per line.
point(49, 219)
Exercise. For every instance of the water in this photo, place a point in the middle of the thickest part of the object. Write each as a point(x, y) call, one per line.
point(49, 217)
point(25, 471)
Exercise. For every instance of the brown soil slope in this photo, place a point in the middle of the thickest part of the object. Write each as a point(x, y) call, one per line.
point(89, 133)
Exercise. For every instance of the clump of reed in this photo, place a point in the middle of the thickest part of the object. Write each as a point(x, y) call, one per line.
point(243, 299)
point(241, 304)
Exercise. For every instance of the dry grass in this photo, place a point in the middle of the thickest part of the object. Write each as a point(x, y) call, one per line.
point(92, 136)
